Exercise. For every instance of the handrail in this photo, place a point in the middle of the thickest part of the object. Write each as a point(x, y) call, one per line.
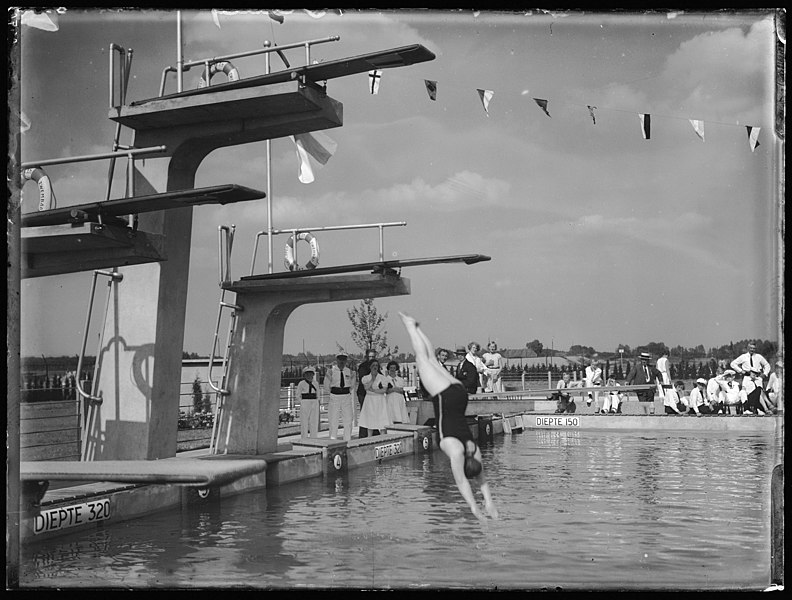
point(205, 62)
point(295, 230)
point(89, 157)
point(114, 277)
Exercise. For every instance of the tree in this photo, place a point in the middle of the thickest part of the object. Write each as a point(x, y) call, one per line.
point(536, 346)
point(366, 322)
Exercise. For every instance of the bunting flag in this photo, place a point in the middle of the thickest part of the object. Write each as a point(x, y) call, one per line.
point(43, 20)
point(313, 150)
point(753, 136)
point(646, 125)
point(431, 89)
point(316, 14)
point(374, 81)
point(216, 18)
point(486, 96)
point(591, 112)
point(698, 127)
point(275, 15)
point(543, 105)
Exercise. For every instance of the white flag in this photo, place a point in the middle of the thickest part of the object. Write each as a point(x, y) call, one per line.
point(753, 136)
point(698, 127)
point(216, 18)
point(314, 150)
point(486, 96)
point(374, 81)
point(646, 125)
point(45, 21)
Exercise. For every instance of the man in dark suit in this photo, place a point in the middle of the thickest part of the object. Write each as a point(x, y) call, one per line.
point(644, 373)
point(466, 372)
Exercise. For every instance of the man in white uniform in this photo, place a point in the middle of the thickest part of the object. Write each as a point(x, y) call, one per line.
point(339, 382)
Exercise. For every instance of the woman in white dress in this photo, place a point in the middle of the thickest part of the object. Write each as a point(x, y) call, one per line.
point(397, 405)
point(493, 363)
point(374, 414)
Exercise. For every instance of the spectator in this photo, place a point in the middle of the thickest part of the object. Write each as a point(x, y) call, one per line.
point(673, 401)
point(338, 383)
point(612, 402)
point(774, 386)
point(664, 368)
point(732, 394)
point(397, 405)
point(456, 441)
point(363, 370)
point(466, 371)
point(309, 404)
point(715, 394)
point(493, 363)
point(374, 414)
point(754, 368)
point(643, 374)
point(698, 402)
point(593, 378)
point(565, 403)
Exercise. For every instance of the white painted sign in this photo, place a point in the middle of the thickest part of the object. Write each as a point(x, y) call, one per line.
point(71, 516)
point(388, 450)
point(557, 421)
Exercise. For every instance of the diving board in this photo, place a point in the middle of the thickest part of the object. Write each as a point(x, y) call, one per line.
point(332, 69)
point(197, 472)
point(112, 209)
point(386, 266)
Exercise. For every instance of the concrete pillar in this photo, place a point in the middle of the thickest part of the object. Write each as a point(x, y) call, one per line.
point(248, 423)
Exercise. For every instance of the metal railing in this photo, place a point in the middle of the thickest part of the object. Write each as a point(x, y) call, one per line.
point(295, 231)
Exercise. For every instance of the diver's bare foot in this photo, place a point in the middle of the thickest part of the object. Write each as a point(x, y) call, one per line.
point(408, 320)
point(492, 511)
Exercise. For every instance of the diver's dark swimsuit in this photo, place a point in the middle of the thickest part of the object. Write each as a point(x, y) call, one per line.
point(450, 405)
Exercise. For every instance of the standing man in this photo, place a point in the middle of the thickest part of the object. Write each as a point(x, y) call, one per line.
point(643, 374)
point(364, 369)
point(755, 369)
point(466, 371)
point(309, 404)
point(338, 382)
point(664, 366)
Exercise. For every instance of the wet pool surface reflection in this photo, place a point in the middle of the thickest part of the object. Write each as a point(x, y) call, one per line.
point(578, 510)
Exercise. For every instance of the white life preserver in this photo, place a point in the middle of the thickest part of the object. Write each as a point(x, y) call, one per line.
point(224, 66)
point(46, 197)
point(289, 258)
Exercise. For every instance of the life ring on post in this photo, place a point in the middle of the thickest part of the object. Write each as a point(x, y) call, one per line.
point(222, 66)
point(312, 263)
point(46, 197)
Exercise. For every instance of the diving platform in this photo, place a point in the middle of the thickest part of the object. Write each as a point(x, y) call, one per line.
point(93, 235)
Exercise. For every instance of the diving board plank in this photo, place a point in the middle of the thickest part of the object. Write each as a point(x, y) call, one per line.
point(80, 213)
point(332, 69)
point(374, 267)
point(200, 472)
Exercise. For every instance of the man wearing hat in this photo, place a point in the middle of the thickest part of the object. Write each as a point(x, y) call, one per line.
point(643, 374)
point(309, 404)
point(466, 371)
point(338, 383)
point(698, 401)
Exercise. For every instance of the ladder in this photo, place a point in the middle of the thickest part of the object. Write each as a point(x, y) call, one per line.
point(225, 245)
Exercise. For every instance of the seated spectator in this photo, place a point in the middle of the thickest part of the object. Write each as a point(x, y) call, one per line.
point(714, 392)
point(732, 397)
point(698, 402)
point(774, 384)
point(612, 402)
point(673, 402)
point(565, 403)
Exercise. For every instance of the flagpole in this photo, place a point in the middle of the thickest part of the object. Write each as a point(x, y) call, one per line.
point(269, 177)
point(179, 57)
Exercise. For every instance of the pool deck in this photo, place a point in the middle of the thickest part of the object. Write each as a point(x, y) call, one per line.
point(67, 505)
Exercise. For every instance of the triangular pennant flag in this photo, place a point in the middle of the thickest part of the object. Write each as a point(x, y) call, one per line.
point(646, 125)
point(216, 18)
point(591, 112)
point(314, 150)
point(543, 105)
point(753, 136)
point(316, 14)
point(45, 21)
point(374, 81)
point(486, 96)
point(275, 15)
point(698, 127)
point(431, 89)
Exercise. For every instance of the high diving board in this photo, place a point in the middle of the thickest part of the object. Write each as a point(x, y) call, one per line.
point(110, 209)
point(382, 59)
point(387, 266)
point(196, 472)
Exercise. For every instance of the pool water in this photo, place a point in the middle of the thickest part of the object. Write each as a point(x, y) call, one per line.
point(578, 510)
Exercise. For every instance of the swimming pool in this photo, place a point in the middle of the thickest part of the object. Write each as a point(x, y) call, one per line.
point(579, 510)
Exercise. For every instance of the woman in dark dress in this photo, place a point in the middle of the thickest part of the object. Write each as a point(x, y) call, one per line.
point(455, 437)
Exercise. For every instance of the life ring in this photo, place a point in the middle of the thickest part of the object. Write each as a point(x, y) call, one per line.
point(224, 66)
point(46, 197)
point(289, 258)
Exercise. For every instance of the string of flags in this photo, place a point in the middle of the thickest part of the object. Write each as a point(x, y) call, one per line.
point(645, 118)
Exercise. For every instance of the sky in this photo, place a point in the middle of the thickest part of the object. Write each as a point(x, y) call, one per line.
point(597, 236)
